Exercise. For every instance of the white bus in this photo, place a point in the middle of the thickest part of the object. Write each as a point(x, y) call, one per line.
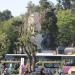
point(41, 57)
point(48, 60)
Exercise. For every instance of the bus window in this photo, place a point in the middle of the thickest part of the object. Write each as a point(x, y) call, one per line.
point(51, 65)
point(39, 64)
point(56, 65)
point(48, 65)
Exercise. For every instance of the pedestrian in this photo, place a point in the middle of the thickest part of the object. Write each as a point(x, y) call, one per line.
point(42, 72)
point(23, 69)
point(60, 71)
point(26, 72)
point(0, 72)
point(4, 66)
point(6, 72)
point(51, 73)
point(54, 71)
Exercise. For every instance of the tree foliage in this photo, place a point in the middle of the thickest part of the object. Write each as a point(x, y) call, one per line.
point(4, 43)
point(49, 27)
point(5, 15)
point(8, 36)
point(66, 24)
point(14, 32)
point(66, 4)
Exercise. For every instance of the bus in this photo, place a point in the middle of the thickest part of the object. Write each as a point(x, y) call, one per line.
point(43, 57)
point(50, 61)
point(39, 57)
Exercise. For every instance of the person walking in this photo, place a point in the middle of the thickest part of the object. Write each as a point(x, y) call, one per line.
point(42, 72)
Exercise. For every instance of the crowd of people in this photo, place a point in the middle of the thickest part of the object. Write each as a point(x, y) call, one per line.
point(7, 68)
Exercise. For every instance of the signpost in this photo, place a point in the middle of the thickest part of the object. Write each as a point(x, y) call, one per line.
point(22, 63)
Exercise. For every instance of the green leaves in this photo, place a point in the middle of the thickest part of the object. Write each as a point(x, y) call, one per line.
point(66, 24)
point(4, 43)
point(9, 35)
point(50, 29)
point(5, 15)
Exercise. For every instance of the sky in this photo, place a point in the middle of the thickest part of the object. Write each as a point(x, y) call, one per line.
point(17, 7)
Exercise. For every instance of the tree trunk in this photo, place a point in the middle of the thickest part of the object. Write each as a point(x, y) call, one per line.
point(34, 62)
point(30, 61)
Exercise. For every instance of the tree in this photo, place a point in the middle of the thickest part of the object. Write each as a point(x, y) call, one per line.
point(26, 45)
point(44, 4)
point(4, 40)
point(66, 21)
point(49, 27)
point(15, 31)
point(73, 5)
point(50, 30)
point(18, 24)
point(31, 7)
point(9, 35)
point(59, 5)
point(5, 15)
point(4, 43)
point(66, 4)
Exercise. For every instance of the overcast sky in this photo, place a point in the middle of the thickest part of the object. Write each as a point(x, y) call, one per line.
point(17, 7)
